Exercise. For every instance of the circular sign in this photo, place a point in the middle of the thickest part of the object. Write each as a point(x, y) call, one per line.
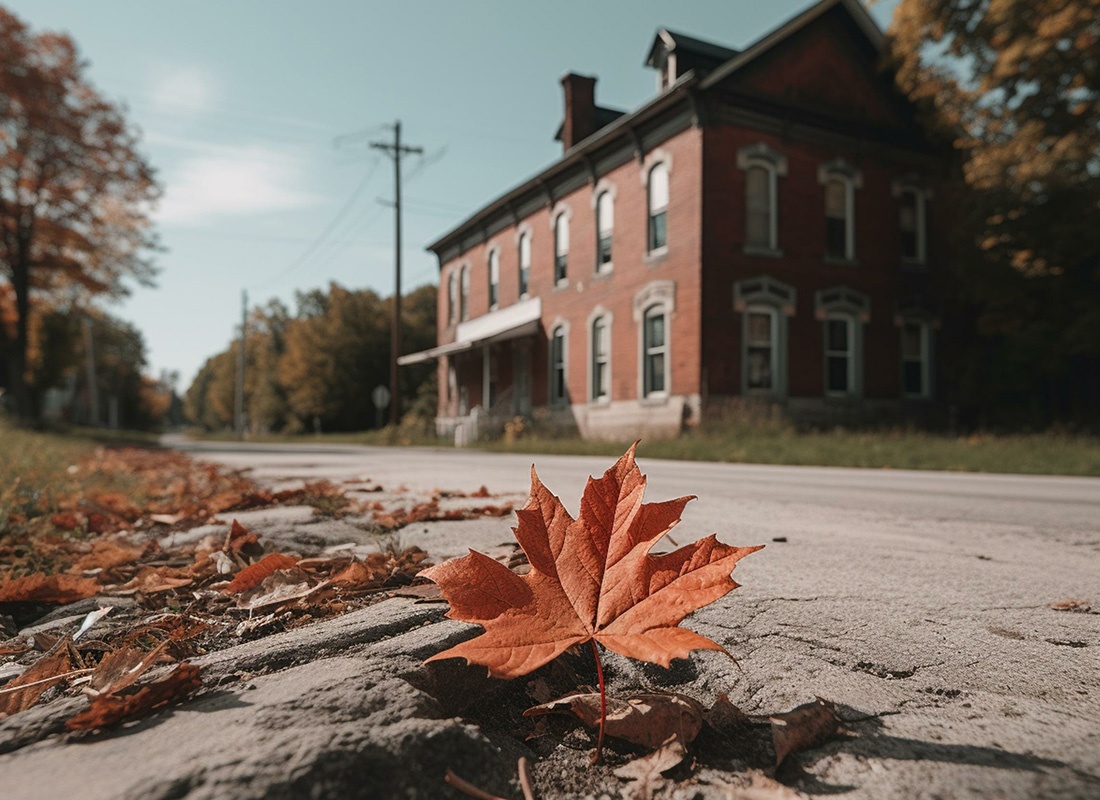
point(380, 396)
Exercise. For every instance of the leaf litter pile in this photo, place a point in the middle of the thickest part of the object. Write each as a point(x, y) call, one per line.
point(588, 584)
point(109, 594)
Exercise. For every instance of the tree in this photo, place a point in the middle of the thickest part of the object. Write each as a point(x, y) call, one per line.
point(75, 194)
point(1017, 86)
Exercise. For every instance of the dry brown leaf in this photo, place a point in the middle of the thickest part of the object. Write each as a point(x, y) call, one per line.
point(252, 576)
point(36, 680)
point(1078, 606)
point(39, 588)
point(151, 580)
point(123, 667)
point(648, 720)
point(110, 709)
point(761, 787)
point(281, 586)
point(802, 728)
point(240, 539)
point(644, 773)
point(591, 579)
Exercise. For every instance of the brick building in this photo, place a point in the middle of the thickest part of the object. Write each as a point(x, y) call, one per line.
point(762, 230)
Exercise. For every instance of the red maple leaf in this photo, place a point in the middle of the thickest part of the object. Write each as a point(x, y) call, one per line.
point(592, 579)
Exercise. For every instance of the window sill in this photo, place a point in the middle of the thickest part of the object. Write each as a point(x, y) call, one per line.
point(600, 402)
point(841, 262)
point(561, 286)
point(768, 252)
point(654, 399)
point(603, 271)
point(655, 257)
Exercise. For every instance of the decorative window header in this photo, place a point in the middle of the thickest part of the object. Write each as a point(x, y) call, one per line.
point(766, 291)
point(839, 168)
point(763, 155)
point(655, 292)
point(842, 299)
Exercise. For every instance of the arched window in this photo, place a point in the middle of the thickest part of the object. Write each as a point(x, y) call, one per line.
point(657, 197)
point(840, 181)
point(558, 396)
point(452, 297)
point(561, 248)
point(654, 351)
point(765, 305)
point(605, 224)
point(464, 296)
point(763, 167)
point(600, 359)
point(494, 278)
point(524, 262)
point(843, 313)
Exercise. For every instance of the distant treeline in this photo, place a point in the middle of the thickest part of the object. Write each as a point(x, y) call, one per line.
point(318, 366)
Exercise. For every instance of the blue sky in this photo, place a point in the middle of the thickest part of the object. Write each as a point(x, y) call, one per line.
point(240, 104)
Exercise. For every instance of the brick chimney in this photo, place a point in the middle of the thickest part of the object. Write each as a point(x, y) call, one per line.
point(580, 108)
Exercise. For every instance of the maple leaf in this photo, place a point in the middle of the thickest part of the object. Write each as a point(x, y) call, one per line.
point(592, 579)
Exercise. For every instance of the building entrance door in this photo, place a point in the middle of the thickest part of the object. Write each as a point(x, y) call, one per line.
point(521, 378)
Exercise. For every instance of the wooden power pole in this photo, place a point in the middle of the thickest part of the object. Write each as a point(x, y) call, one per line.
point(396, 150)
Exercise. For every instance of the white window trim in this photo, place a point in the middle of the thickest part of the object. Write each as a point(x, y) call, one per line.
point(655, 293)
point(842, 301)
point(852, 179)
point(654, 309)
point(653, 159)
point(452, 297)
point(523, 230)
point(603, 187)
point(464, 293)
point(774, 316)
point(552, 401)
point(494, 251)
point(599, 313)
point(561, 210)
point(902, 186)
point(766, 292)
point(850, 320)
point(761, 155)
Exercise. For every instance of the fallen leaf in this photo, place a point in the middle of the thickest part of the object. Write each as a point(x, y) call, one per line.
point(110, 709)
point(591, 579)
point(92, 618)
point(240, 539)
point(644, 773)
point(21, 693)
point(761, 787)
point(649, 720)
point(1078, 606)
point(253, 575)
point(279, 587)
point(802, 728)
point(122, 668)
point(39, 588)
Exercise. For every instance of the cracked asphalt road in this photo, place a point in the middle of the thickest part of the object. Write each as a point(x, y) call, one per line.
point(919, 602)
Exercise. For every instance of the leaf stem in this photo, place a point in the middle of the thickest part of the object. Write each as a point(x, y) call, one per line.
point(603, 702)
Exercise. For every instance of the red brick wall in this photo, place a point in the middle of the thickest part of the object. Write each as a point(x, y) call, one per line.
point(632, 270)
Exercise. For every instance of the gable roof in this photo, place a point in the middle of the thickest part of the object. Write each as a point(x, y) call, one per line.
point(854, 8)
point(604, 117)
point(680, 42)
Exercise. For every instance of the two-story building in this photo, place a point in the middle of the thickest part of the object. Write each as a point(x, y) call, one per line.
point(761, 230)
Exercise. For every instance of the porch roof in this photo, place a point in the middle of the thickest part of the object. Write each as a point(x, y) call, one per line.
point(510, 322)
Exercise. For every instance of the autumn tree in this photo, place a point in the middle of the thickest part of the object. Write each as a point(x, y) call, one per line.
point(1016, 85)
point(75, 194)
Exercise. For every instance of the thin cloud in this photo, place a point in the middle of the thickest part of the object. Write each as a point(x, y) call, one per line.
point(189, 91)
point(227, 181)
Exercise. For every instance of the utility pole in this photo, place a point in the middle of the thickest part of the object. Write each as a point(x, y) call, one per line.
point(396, 150)
point(238, 405)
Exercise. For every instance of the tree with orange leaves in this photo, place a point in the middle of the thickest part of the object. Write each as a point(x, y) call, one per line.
point(75, 193)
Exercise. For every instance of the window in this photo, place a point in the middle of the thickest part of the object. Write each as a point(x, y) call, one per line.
point(654, 351)
point(452, 297)
point(763, 167)
point(494, 278)
point(840, 180)
point(601, 359)
point(464, 296)
point(911, 222)
point(837, 241)
point(557, 366)
point(765, 305)
point(843, 313)
point(524, 262)
point(914, 359)
point(839, 355)
point(761, 349)
point(759, 220)
point(605, 223)
point(561, 248)
point(657, 194)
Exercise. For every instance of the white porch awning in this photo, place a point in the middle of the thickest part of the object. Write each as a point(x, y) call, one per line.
point(511, 322)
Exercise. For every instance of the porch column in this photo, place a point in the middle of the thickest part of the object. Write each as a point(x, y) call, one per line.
point(485, 377)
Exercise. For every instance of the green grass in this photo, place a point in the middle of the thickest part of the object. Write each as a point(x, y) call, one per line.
point(1043, 454)
point(39, 470)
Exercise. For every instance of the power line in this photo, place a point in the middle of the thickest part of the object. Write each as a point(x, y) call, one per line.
point(333, 223)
